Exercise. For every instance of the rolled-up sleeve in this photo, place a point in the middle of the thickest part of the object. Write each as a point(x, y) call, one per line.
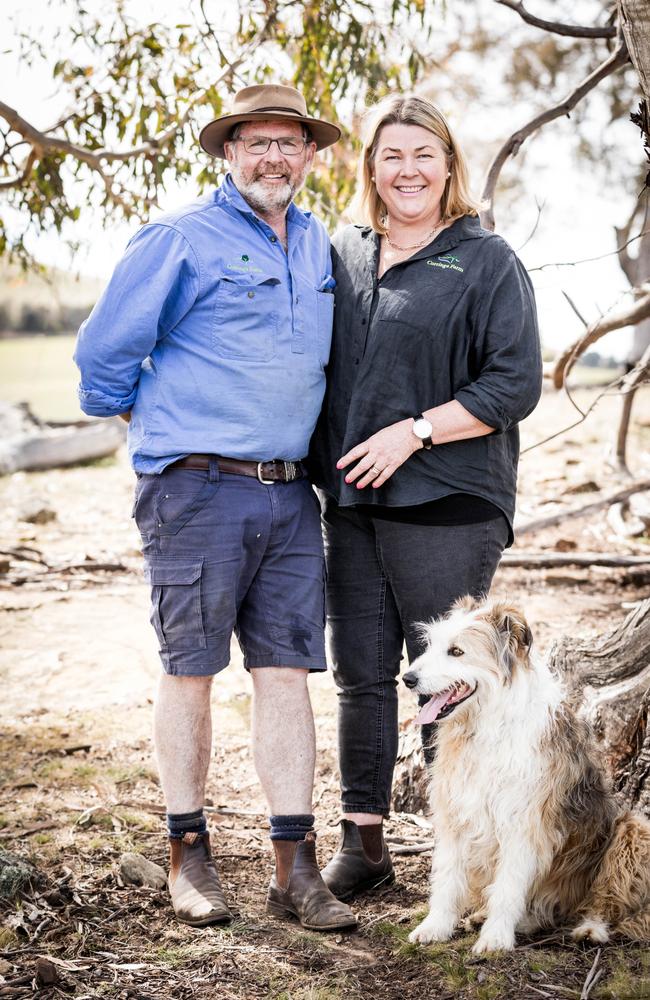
point(154, 285)
point(506, 349)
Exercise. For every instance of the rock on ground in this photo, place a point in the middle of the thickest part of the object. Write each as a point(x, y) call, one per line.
point(135, 869)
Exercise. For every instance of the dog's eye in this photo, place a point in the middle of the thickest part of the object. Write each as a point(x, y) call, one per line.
point(455, 651)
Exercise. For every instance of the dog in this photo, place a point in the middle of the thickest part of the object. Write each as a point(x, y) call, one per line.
point(528, 834)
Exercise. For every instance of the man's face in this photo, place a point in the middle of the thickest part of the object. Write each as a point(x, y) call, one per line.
point(269, 181)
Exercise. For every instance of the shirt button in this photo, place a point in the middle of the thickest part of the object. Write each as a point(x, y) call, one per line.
point(274, 239)
point(251, 295)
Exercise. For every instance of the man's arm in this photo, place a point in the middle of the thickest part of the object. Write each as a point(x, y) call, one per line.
point(152, 288)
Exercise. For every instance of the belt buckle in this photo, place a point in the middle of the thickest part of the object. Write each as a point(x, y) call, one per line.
point(290, 471)
point(265, 482)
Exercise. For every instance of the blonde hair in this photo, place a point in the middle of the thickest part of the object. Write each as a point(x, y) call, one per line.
point(366, 207)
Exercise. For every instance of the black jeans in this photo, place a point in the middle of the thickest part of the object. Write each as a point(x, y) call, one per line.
point(383, 578)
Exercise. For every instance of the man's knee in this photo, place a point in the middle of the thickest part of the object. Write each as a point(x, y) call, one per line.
point(275, 678)
point(183, 687)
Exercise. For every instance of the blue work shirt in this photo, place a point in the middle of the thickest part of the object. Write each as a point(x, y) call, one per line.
point(212, 336)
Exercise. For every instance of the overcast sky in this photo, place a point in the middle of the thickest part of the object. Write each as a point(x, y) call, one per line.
point(577, 220)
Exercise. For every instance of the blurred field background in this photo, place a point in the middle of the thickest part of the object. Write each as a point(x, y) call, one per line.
point(39, 370)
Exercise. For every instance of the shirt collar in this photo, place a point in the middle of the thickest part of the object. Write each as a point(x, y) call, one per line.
point(229, 193)
point(468, 227)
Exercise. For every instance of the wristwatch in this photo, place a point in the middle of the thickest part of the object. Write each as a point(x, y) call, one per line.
point(423, 429)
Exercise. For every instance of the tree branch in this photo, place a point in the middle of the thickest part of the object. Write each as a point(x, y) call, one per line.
point(572, 30)
point(42, 142)
point(512, 145)
point(614, 320)
point(11, 182)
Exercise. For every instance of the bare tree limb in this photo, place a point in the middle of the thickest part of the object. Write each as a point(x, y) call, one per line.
point(558, 28)
point(512, 145)
point(589, 260)
point(548, 560)
point(614, 320)
point(552, 519)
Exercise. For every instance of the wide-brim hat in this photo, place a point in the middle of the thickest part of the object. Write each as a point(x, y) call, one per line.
point(263, 103)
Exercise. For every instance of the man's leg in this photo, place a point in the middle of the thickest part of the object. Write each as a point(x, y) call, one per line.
point(284, 750)
point(183, 741)
point(284, 742)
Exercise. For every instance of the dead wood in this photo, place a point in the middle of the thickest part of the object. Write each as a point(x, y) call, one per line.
point(608, 680)
point(606, 501)
point(540, 560)
point(30, 444)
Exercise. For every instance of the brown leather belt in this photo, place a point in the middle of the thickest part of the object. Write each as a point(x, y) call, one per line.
point(275, 471)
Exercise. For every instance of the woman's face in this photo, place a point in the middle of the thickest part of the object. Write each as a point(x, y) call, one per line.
point(410, 171)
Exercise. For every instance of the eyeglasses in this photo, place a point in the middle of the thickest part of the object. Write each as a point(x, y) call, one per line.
point(259, 144)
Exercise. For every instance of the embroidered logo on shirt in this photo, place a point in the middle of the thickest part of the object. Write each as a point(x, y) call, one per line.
point(447, 262)
point(244, 265)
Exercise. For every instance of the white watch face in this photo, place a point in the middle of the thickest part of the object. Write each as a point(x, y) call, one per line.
point(422, 428)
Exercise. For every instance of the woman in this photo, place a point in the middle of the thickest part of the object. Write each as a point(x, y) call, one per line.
point(435, 358)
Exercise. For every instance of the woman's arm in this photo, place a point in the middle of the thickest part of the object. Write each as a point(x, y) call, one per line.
point(390, 447)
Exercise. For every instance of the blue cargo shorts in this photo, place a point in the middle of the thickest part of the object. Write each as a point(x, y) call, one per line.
point(226, 552)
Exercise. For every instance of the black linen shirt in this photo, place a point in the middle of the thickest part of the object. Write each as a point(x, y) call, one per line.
point(457, 321)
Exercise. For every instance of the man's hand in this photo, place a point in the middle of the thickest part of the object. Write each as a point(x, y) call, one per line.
point(126, 417)
point(381, 455)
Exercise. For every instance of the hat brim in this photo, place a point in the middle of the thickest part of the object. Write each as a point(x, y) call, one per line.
point(215, 134)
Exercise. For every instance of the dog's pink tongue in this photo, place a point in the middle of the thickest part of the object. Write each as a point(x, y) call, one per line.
point(429, 712)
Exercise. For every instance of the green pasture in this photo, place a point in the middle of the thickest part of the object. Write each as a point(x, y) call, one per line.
point(39, 370)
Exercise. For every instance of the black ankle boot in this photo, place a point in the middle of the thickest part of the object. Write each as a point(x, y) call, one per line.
point(351, 870)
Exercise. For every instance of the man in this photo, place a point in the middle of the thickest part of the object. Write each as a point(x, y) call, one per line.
point(211, 339)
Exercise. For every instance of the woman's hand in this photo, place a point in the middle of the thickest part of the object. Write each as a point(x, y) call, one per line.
point(381, 454)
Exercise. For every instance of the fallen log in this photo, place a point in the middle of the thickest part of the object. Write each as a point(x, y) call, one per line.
point(563, 515)
point(29, 444)
point(540, 560)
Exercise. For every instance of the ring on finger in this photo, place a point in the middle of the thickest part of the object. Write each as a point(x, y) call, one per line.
point(376, 471)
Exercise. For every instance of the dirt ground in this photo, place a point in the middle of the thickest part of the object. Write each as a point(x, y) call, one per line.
point(78, 667)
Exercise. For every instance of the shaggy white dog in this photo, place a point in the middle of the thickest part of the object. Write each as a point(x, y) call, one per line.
point(527, 831)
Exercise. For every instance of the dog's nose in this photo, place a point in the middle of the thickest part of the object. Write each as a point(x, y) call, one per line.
point(410, 679)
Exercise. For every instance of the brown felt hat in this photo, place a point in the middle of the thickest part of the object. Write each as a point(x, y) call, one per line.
point(262, 103)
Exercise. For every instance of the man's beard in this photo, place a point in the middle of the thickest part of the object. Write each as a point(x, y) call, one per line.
point(266, 198)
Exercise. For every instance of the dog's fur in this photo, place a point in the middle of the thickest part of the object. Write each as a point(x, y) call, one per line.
point(527, 831)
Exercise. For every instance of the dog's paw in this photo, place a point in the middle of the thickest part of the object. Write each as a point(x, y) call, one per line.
point(431, 929)
point(473, 921)
point(591, 929)
point(494, 939)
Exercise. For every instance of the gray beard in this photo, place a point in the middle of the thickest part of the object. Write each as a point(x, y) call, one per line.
point(262, 200)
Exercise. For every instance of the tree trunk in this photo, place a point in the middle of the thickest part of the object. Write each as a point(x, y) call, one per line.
point(635, 22)
point(608, 682)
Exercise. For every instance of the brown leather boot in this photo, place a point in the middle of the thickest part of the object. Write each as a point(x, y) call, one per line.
point(351, 870)
point(194, 886)
point(298, 889)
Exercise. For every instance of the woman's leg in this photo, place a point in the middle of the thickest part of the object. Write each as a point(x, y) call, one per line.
point(365, 643)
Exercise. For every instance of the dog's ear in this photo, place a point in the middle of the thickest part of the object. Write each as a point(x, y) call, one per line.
point(466, 603)
point(515, 636)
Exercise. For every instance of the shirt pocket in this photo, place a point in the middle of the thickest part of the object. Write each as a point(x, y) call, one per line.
point(324, 322)
point(246, 316)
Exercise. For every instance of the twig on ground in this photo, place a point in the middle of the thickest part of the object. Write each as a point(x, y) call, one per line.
point(592, 978)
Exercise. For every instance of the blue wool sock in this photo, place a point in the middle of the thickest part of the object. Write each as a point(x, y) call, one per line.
point(181, 823)
point(291, 827)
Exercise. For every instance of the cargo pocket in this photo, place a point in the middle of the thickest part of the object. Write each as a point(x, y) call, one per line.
point(176, 611)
